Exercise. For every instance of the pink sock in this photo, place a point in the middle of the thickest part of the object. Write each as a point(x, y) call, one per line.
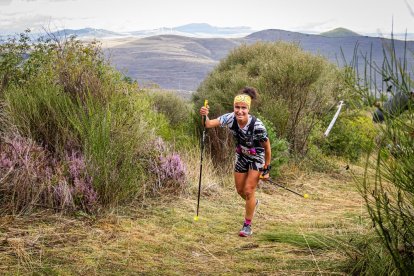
point(247, 221)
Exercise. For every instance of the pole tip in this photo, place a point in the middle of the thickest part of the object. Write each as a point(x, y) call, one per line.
point(196, 218)
point(305, 195)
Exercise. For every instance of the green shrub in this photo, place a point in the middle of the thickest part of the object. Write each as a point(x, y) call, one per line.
point(12, 54)
point(352, 136)
point(296, 88)
point(40, 110)
point(175, 109)
point(317, 161)
point(66, 98)
point(180, 127)
point(280, 149)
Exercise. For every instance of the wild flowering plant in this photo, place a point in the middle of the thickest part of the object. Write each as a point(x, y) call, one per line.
point(82, 191)
point(31, 176)
point(168, 170)
point(172, 168)
point(25, 171)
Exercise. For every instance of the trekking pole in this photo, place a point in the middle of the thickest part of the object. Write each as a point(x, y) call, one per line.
point(201, 160)
point(286, 188)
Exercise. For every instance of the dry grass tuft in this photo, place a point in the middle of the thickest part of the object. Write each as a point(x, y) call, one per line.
point(211, 182)
point(18, 248)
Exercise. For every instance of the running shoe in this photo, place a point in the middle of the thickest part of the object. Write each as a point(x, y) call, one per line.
point(246, 231)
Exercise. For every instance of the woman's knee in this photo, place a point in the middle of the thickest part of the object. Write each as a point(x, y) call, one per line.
point(240, 191)
point(248, 193)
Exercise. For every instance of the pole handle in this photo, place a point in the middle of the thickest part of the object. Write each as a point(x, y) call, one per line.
point(204, 117)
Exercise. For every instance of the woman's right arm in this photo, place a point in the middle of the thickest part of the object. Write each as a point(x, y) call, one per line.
point(208, 123)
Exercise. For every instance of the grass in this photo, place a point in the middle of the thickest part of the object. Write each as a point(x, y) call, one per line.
point(291, 235)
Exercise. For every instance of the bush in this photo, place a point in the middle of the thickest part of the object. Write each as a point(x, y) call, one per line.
point(317, 161)
point(280, 149)
point(180, 127)
point(12, 54)
point(175, 109)
point(352, 136)
point(40, 110)
point(296, 88)
point(87, 120)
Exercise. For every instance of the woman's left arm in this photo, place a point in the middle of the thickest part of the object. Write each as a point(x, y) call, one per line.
point(268, 152)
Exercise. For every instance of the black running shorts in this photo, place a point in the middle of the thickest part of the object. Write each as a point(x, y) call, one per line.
point(244, 163)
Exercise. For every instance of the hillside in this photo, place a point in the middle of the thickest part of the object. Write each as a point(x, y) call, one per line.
point(173, 62)
point(181, 63)
point(292, 236)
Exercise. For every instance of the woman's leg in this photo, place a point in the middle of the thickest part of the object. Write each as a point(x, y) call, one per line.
point(240, 181)
point(250, 185)
point(246, 184)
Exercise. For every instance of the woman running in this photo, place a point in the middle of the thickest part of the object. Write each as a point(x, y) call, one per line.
point(253, 153)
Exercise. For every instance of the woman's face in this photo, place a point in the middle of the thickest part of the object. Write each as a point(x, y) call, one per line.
point(241, 111)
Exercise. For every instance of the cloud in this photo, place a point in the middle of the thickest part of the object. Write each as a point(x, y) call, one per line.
point(47, 0)
point(8, 2)
point(15, 23)
point(5, 2)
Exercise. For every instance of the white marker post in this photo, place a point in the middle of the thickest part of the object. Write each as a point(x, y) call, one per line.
point(333, 119)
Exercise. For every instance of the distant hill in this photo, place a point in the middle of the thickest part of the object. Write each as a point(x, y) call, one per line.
point(339, 32)
point(194, 30)
point(204, 28)
point(181, 63)
point(86, 32)
point(276, 34)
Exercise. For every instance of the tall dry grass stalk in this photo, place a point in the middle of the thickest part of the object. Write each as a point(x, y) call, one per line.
point(212, 180)
point(389, 194)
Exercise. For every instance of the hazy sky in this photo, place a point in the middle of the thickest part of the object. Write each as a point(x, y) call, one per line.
point(363, 16)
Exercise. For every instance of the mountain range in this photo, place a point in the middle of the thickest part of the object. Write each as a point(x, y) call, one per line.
point(192, 30)
point(181, 62)
point(180, 58)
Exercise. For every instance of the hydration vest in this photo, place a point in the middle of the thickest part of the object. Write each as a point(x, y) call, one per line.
point(249, 141)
